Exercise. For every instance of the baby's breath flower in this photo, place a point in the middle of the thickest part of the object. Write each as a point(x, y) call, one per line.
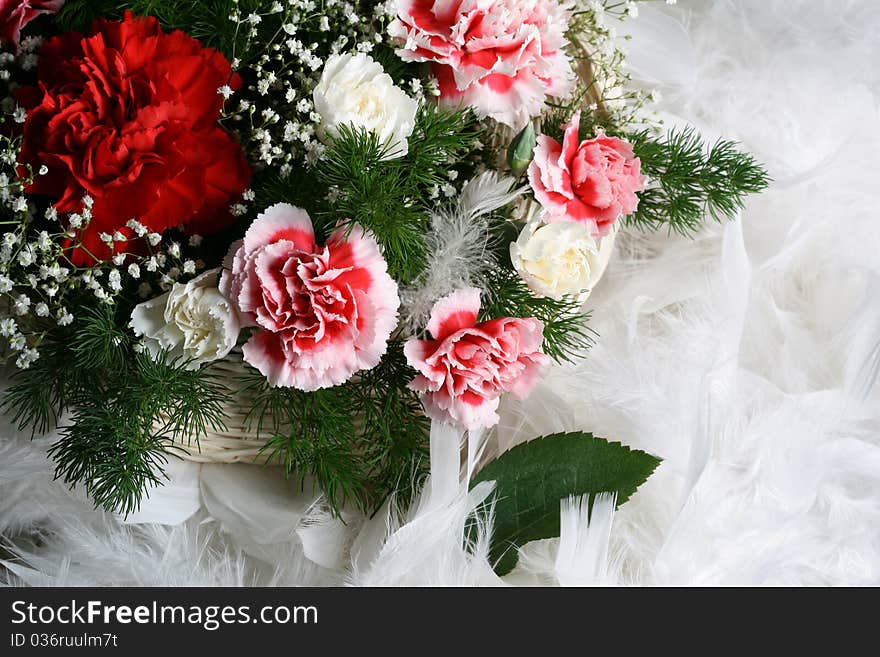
point(26, 256)
point(65, 318)
point(8, 327)
point(22, 304)
point(44, 242)
point(139, 229)
point(114, 280)
point(58, 272)
point(26, 358)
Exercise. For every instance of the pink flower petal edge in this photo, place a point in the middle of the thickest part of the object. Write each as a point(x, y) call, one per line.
point(502, 58)
point(467, 365)
point(594, 182)
point(322, 313)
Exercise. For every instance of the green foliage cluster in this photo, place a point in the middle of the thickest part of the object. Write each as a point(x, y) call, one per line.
point(391, 196)
point(206, 20)
point(691, 181)
point(128, 412)
point(566, 333)
point(359, 440)
point(126, 408)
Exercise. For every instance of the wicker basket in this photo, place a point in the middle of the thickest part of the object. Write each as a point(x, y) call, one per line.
point(239, 442)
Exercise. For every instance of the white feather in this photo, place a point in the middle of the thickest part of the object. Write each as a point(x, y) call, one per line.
point(582, 555)
point(458, 246)
point(746, 358)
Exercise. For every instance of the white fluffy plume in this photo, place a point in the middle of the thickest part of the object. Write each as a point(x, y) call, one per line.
point(747, 359)
point(458, 246)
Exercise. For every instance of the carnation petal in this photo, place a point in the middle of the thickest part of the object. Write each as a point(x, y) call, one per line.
point(570, 141)
point(473, 411)
point(522, 386)
point(281, 221)
point(453, 312)
point(168, 163)
point(502, 58)
point(148, 318)
point(264, 352)
point(417, 353)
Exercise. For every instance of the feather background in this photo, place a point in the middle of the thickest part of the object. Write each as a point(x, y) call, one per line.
point(747, 358)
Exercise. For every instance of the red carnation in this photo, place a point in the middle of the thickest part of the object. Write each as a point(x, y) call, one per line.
point(15, 14)
point(128, 116)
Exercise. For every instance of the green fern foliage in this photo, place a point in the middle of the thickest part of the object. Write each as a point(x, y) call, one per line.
point(690, 180)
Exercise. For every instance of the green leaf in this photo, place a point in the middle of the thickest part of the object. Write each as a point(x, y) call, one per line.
point(533, 477)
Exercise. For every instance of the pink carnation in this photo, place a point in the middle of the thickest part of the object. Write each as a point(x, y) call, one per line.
point(467, 366)
point(15, 14)
point(594, 181)
point(501, 57)
point(324, 313)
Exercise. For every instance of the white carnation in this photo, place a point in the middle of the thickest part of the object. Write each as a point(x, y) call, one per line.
point(354, 89)
point(193, 320)
point(560, 258)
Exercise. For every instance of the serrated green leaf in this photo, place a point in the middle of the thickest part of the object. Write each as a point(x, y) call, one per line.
point(533, 477)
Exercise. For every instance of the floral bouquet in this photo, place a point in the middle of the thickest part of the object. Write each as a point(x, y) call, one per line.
point(321, 234)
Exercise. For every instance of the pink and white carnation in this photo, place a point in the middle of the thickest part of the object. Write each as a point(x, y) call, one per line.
point(467, 366)
point(594, 181)
point(503, 58)
point(323, 312)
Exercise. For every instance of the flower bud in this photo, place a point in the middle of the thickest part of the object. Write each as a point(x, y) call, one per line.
point(521, 149)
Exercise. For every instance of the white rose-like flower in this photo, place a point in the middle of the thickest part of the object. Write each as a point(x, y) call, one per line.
point(560, 258)
point(354, 89)
point(193, 320)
